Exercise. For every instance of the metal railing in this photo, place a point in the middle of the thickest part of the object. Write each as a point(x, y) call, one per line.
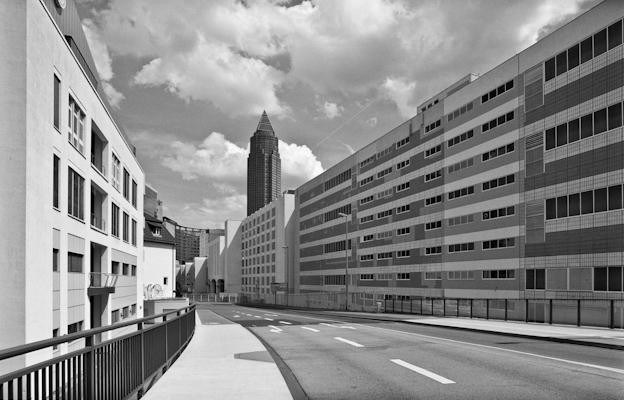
point(102, 279)
point(119, 368)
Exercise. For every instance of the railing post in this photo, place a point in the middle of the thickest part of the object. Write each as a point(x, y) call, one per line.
point(578, 312)
point(142, 363)
point(444, 307)
point(165, 324)
point(470, 308)
point(411, 300)
point(393, 304)
point(421, 300)
point(526, 310)
point(611, 314)
point(89, 370)
point(505, 309)
point(432, 306)
point(457, 303)
point(487, 308)
point(550, 308)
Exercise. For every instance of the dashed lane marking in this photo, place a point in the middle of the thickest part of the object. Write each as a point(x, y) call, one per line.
point(257, 316)
point(269, 319)
point(284, 322)
point(423, 372)
point(347, 341)
point(310, 329)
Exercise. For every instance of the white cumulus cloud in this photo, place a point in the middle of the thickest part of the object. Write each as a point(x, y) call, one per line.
point(402, 93)
point(330, 110)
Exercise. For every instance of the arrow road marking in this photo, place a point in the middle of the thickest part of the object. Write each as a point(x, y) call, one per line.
point(275, 329)
point(423, 371)
point(354, 344)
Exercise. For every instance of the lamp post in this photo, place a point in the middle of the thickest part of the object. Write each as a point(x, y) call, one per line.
point(346, 217)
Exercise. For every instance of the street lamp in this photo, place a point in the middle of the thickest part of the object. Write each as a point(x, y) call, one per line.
point(346, 217)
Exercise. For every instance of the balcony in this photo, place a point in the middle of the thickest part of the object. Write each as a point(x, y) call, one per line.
point(101, 283)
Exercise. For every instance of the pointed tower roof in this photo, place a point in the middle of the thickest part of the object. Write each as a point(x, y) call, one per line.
point(264, 126)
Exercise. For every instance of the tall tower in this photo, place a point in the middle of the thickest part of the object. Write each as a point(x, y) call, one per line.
point(264, 169)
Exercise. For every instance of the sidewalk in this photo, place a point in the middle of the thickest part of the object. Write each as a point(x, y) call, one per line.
point(597, 337)
point(222, 361)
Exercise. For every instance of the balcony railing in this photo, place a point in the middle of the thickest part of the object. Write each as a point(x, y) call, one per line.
point(98, 222)
point(102, 280)
point(119, 368)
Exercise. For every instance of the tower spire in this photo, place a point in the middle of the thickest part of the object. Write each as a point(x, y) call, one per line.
point(265, 125)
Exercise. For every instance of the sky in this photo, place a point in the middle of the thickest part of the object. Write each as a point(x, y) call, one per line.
point(189, 79)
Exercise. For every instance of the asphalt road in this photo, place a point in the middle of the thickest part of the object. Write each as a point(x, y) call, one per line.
point(335, 357)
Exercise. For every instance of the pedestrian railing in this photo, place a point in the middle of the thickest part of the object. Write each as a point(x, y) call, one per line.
point(102, 279)
point(120, 368)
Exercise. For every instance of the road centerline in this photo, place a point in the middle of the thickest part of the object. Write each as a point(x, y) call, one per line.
point(422, 371)
point(347, 341)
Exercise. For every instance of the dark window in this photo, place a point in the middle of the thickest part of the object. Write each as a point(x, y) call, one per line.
point(574, 128)
point(600, 200)
point(615, 197)
point(562, 206)
point(74, 262)
point(115, 220)
point(551, 209)
point(55, 260)
point(549, 68)
point(600, 42)
point(134, 193)
point(562, 134)
point(587, 127)
point(587, 202)
point(574, 204)
point(573, 56)
point(530, 279)
point(615, 116)
point(134, 233)
point(57, 102)
point(562, 64)
point(600, 121)
point(55, 181)
point(615, 279)
point(508, 86)
point(600, 278)
point(586, 50)
point(126, 227)
point(126, 184)
point(75, 194)
point(550, 138)
point(540, 279)
point(615, 34)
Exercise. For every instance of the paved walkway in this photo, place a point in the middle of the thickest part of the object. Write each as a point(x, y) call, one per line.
point(600, 337)
point(223, 361)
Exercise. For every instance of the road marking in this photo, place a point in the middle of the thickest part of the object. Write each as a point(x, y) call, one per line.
point(271, 315)
point(326, 324)
point(616, 370)
point(284, 322)
point(310, 329)
point(349, 342)
point(423, 371)
point(269, 319)
point(237, 316)
point(275, 329)
point(337, 326)
point(257, 316)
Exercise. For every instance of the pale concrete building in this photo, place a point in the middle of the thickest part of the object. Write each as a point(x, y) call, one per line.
point(219, 270)
point(72, 193)
point(160, 260)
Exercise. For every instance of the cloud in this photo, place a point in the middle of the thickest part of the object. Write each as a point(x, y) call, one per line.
point(330, 110)
point(372, 122)
point(225, 163)
point(549, 15)
point(103, 61)
point(402, 94)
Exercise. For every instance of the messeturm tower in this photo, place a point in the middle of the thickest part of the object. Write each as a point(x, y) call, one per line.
point(264, 170)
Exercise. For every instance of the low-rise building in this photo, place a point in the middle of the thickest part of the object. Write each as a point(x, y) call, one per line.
point(159, 261)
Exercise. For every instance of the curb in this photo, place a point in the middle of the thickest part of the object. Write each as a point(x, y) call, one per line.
point(461, 328)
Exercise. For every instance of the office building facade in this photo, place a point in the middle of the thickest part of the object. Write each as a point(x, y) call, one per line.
point(72, 193)
point(507, 185)
point(267, 247)
point(264, 171)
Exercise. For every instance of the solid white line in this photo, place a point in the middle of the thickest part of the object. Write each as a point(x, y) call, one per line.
point(349, 342)
point(616, 370)
point(423, 371)
point(269, 319)
point(284, 322)
point(310, 329)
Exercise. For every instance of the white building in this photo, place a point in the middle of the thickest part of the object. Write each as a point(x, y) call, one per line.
point(72, 193)
point(267, 246)
point(219, 271)
point(160, 260)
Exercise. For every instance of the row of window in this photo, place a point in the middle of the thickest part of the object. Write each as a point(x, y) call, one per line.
point(331, 215)
point(498, 182)
point(384, 172)
point(434, 150)
point(128, 232)
point(258, 220)
point(498, 213)
point(403, 164)
point(503, 119)
point(469, 162)
point(587, 202)
point(433, 175)
point(588, 125)
point(433, 225)
point(461, 220)
point(460, 111)
point(497, 152)
point(460, 247)
point(432, 126)
point(123, 313)
point(338, 179)
point(455, 194)
point(402, 142)
point(384, 152)
point(460, 138)
point(497, 92)
point(584, 51)
point(126, 269)
point(429, 105)
point(433, 200)
point(332, 247)
point(369, 160)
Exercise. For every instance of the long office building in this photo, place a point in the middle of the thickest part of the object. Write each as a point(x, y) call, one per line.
point(505, 185)
point(72, 192)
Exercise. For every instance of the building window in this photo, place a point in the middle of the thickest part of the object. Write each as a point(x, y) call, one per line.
point(600, 42)
point(115, 316)
point(498, 274)
point(76, 125)
point(125, 227)
point(403, 254)
point(165, 280)
point(114, 220)
point(536, 279)
point(433, 250)
point(403, 276)
point(615, 34)
point(459, 247)
point(366, 257)
point(74, 262)
point(56, 180)
point(433, 275)
point(115, 267)
point(57, 102)
point(116, 172)
point(55, 260)
point(75, 327)
point(402, 187)
point(134, 233)
point(126, 184)
point(55, 333)
point(134, 194)
point(75, 194)
point(402, 231)
point(498, 243)
point(384, 256)
point(125, 269)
